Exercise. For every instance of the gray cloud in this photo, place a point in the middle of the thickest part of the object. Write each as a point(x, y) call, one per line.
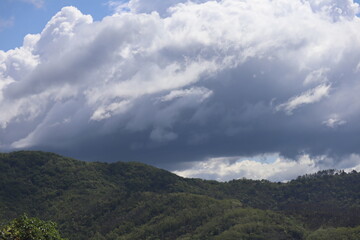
point(200, 80)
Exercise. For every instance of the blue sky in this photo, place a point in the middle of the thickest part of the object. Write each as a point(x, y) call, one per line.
point(216, 89)
point(23, 17)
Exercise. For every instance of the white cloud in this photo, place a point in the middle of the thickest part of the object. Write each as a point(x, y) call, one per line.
point(336, 9)
point(223, 169)
point(118, 6)
point(145, 6)
point(317, 76)
point(311, 96)
point(355, 163)
point(334, 121)
point(200, 93)
point(105, 112)
point(199, 75)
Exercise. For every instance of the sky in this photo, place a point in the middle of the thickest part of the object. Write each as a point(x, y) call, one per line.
point(261, 89)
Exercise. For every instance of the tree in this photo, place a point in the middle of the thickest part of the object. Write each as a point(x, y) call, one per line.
point(25, 228)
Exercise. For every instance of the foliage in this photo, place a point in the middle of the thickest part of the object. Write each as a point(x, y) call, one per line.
point(97, 201)
point(25, 228)
point(335, 234)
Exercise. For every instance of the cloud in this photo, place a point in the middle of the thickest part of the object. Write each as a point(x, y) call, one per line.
point(336, 9)
point(6, 23)
point(224, 169)
point(334, 121)
point(161, 135)
point(118, 6)
point(279, 170)
point(331, 9)
point(310, 96)
point(145, 6)
point(36, 3)
point(201, 93)
point(168, 82)
point(316, 76)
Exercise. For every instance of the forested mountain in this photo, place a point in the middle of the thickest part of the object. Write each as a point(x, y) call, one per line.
point(92, 200)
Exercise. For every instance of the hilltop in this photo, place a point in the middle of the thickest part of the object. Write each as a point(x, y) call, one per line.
point(95, 200)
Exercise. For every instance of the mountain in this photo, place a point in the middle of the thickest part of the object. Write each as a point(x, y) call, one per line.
point(97, 201)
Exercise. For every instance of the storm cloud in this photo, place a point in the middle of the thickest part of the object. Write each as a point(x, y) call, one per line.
point(168, 82)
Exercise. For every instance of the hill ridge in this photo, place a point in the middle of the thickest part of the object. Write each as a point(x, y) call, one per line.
point(134, 200)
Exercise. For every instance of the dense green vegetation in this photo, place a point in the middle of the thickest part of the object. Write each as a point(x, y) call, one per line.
point(25, 228)
point(102, 201)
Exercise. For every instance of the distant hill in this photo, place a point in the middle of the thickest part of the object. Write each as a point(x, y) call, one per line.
point(97, 201)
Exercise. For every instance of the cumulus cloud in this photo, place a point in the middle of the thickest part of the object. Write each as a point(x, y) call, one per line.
point(279, 170)
point(224, 169)
point(167, 82)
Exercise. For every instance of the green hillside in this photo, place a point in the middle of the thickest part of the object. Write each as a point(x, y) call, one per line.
point(110, 201)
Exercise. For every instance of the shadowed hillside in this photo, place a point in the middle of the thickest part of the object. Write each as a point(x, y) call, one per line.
point(92, 200)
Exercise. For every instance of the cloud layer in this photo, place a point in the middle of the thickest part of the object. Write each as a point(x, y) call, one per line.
point(273, 168)
point(167, 83)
